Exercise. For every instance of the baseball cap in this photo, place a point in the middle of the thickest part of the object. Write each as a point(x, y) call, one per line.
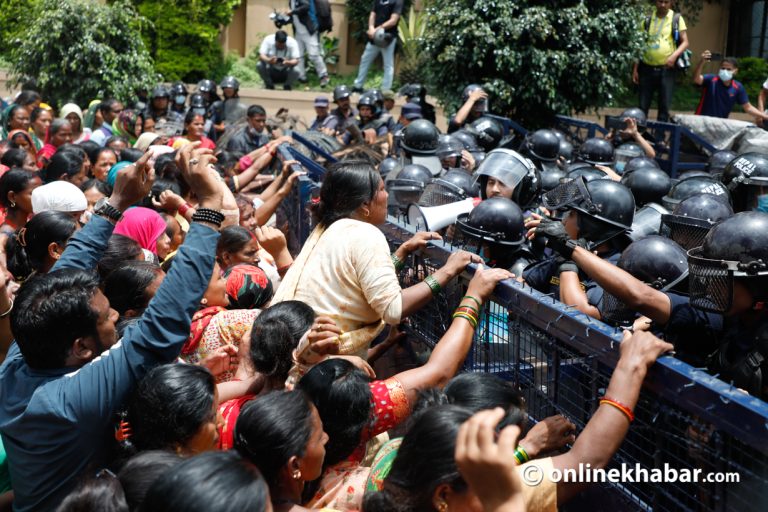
point(411, 111)
point(321, 101)
point(388, 94)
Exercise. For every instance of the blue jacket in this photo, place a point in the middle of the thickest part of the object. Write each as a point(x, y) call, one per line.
point(58, 424)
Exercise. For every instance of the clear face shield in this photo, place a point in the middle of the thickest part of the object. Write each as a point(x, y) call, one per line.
point(504, 167)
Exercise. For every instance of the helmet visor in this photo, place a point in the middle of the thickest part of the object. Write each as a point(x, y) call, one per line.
point(568, 193)
point(441, 192)
point(687, 232)
point(710, 283)
point(504, 167)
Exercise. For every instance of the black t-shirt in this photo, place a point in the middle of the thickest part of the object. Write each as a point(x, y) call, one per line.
point(384, 10)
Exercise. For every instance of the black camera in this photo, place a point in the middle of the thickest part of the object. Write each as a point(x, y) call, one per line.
point(615, 123)
point(280, 19)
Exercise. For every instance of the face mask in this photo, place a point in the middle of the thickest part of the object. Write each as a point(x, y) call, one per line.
point(180, 99)
point(762, 203)
point(725, 75)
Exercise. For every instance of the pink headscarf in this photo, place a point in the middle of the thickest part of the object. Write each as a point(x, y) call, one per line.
point(143, 225)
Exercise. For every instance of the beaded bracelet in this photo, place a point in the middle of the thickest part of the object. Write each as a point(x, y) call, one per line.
point(469, 318)
point(433, 284)
point(208, 215)
point(618, 405)
point(479, 304)
point(399, 264)
point(521, 456)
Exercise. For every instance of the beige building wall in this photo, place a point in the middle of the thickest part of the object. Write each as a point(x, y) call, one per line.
point(251, 23)
point(710, 31)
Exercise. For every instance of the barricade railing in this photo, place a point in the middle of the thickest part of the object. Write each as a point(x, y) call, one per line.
point(678, 149)
point(562, 361)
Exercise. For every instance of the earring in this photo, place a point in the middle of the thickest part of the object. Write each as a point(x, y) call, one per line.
point(297, 474)
point(442, 506)
point(366, 212)
point(203, 301)
point(13, 205)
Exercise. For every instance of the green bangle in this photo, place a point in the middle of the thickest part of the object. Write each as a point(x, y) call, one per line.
point(434, 286)
point(479, 304)
point(521, 455)
point(398, 263)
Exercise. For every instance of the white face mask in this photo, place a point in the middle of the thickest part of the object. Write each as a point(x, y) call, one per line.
point(725, 75)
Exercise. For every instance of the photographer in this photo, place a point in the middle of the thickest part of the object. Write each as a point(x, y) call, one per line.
point(278, 57)
point(719, 93)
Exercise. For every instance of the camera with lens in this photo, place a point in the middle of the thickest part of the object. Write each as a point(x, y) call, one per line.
point(279, 19)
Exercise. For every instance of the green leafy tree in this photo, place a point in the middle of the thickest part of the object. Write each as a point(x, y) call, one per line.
point(79, 50)
point(184, 36)
point(14, 16)
point(537, 58)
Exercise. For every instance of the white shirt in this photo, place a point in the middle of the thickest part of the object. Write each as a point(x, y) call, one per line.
point(268, 48)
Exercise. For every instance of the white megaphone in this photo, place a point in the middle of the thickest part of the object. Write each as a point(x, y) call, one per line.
point(434, 218)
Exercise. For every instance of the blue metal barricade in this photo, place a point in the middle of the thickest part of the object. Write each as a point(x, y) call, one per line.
point(562, 361)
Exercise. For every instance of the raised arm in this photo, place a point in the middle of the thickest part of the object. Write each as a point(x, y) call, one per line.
point(450, 352)
point(608, 426)
point(84, 250)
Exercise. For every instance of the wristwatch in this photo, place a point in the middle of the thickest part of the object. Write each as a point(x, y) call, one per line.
point(106, 210)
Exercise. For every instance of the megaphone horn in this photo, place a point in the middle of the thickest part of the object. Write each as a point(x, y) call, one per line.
point(434, 218)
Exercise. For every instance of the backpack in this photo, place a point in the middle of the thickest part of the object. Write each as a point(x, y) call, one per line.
point(684, 61)
point(323, 14)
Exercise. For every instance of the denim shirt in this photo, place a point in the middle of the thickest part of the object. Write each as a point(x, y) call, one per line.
point(58, 424)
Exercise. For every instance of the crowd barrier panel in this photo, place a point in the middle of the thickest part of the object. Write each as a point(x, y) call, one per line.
point(678, 149)
point(562, 361)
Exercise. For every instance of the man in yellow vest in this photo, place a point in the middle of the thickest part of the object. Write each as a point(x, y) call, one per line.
point(656, 69)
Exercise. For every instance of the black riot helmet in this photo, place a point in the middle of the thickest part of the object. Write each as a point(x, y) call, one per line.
point(197, 101)
point(640, 162)
point(637, 114)
point(718, 161)
point(658, 262)
point(449, 150)
point(584, 170)
point(206, 85)
point(596, 151)
point(197, 104)
point(565, 150)
point(606, 208)
point(693, 185)
point(480, 106)
point(420, 138)
point(340, 92)
point(368, 100)
point(378, 97)
point(648, 185)
point(497, 220)
point(552, 177)
point(543, 145)
point(467, 139)
point(455, 185)
point(514, 171)
point(487, 131)
point(229, 82)
point(408, 185)
point(179, 89)
point(736, 248)
point(389, 165)
point(382, 38)
point(160, 91)
point(693, 217)
point(745, 177)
